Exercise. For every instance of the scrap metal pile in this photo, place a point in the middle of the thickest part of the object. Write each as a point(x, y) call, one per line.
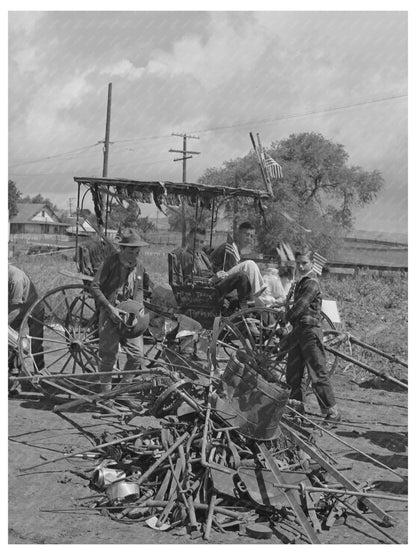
point(230, 453)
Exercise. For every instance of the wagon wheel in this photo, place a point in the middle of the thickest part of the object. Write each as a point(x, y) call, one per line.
point(58, 337)
point(255, 332)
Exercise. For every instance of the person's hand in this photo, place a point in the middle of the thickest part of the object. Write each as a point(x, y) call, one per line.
point(221, 274)
point(116, 316)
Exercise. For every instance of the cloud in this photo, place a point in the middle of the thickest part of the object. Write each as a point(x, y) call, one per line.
point(229, 51)
point(24, 23)
point(124, 68)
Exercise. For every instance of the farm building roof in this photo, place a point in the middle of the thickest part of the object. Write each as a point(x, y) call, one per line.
point(28, 210)
point(377, 236)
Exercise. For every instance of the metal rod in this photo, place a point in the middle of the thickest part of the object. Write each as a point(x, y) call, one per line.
point(365, 366)
point(309, 531)
point(210, 515)
point(369, 457)
point(76, 228)
point(165, 455)
point(392, 358)
point(387, 520)
point(324, 489)
point(93, 448)
point(40, 377)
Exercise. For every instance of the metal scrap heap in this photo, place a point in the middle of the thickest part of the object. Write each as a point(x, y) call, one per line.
point(230, 454)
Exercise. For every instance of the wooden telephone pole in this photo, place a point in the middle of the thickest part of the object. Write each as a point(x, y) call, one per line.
point(106, 141)
point(106, 149)
point(186, 154)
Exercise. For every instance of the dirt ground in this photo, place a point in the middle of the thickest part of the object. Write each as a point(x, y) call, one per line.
point(43, 501)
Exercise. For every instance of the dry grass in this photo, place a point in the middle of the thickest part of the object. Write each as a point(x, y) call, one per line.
point(45, 270)
point(373, 309)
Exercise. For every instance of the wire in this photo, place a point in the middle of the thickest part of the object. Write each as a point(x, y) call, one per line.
point(301, 114)
point(277, 118)
point(223, 127)
point(52, 156)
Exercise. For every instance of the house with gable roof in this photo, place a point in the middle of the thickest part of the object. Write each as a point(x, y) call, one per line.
point(36, 218)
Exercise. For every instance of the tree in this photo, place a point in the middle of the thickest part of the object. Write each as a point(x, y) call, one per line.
point(319, 191)
point(121, 217)
point(39, 199)
point(175, 217)
point(14, 197)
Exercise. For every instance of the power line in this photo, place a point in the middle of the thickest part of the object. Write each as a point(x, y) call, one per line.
point(223, 127)
point(92, 172)
point(277, 118)
point(52, 156)
point(302, 114)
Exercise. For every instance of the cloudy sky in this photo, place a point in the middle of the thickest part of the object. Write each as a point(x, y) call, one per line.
point(217, 75)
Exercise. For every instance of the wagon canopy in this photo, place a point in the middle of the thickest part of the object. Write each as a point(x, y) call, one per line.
point(105, 191)
point(144, 191)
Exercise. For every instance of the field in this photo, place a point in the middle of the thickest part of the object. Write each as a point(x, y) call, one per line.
point(372, 309)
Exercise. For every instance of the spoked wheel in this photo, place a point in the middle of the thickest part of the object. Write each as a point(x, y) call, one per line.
point(255, 332)
point(58, 339)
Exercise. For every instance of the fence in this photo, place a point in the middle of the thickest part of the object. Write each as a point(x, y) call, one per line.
point(49, 238)
point(175, 237)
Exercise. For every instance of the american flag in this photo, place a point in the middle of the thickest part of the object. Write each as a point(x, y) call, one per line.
point(318, 263)
point(273, 169)
point(231, 250)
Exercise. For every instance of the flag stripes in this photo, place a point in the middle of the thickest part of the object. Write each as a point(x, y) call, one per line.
point(318, 263)
point(232, 250)
point(273, 169)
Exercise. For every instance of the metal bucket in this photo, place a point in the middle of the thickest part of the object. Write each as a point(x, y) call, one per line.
point(103, 477)
point(249, 402)
point(122, 490)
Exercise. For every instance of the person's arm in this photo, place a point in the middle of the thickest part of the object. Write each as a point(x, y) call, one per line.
point(148, 284)
point(101, 299)
point(177, 272)
point(14, 311)
point(308, 291)
point(15, 299)
point(217, 258)
point(95, 286)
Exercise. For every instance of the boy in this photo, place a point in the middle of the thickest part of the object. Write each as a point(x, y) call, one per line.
point(306, 341)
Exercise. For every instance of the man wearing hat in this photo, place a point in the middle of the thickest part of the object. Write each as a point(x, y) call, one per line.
point(118, 291)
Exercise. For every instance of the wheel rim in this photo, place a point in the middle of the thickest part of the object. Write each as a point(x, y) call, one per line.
point(253, 331)
point(69, 346)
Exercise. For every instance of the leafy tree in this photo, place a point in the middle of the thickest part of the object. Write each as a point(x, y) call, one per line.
point(14, 197)
point(122, 217)
point(319, 191)
point(39, 199)
point(176, 217)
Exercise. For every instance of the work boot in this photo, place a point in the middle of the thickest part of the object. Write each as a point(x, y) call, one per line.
point(299, 407)
point(333, 416)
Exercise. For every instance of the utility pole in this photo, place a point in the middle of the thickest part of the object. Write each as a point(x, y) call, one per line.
point(106, 150)
point(107, 132)
point(186, 154)
point(70, 202)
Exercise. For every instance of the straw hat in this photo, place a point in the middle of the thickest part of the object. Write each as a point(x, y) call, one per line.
point(131, 238)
